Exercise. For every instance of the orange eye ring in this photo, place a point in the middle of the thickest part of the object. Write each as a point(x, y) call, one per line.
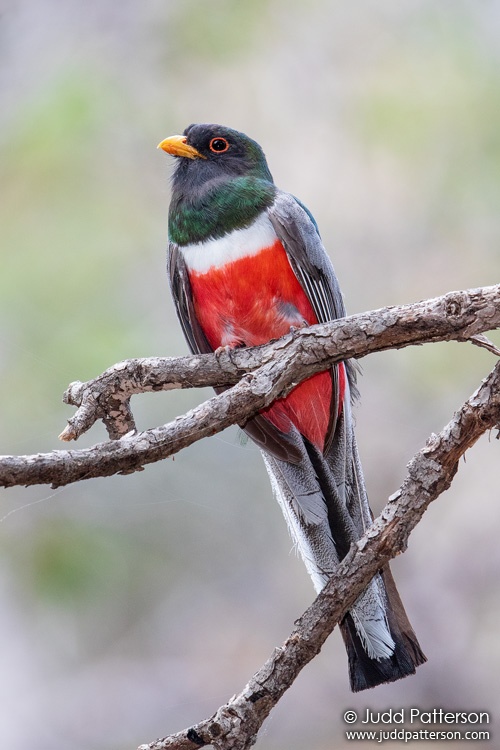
point(218, 145)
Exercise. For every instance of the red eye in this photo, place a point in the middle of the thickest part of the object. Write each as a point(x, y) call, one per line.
point(219, 145)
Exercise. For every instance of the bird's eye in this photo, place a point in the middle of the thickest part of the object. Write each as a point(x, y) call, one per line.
point(219, 145)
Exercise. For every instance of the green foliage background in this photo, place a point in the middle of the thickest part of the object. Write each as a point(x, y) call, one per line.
point(134, 606)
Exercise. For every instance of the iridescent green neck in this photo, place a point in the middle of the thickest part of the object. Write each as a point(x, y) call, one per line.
point(213, 213)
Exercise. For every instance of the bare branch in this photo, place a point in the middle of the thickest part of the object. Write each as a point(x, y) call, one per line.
point(454, 316)
point(261, 374)
point(235, 725)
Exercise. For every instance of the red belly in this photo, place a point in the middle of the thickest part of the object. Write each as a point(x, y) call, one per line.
point(255, 299)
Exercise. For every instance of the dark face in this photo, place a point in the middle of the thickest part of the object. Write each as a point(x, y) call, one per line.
point(207, 152)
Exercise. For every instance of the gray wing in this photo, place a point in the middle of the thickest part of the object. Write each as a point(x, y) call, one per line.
point(180, 288)
point(299, 235)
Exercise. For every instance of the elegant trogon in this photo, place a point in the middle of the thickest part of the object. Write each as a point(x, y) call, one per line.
point(246, 264)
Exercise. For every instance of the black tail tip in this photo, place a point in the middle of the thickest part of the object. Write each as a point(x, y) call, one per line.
point(365, 673)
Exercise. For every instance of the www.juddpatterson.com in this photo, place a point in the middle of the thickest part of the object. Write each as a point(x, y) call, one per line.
point(411, 718)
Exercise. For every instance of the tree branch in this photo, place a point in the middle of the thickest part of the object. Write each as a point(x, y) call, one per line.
point(258, 377)
point(235, 725)
point(261, 375)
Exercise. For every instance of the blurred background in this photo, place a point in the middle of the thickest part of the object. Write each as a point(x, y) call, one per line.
point(134, 606)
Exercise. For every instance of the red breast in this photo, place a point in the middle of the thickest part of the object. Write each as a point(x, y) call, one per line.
point(251, 300)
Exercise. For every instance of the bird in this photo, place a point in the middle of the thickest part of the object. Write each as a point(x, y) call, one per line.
point(246, 265)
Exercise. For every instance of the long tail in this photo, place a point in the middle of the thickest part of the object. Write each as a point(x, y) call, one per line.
point(324, 503)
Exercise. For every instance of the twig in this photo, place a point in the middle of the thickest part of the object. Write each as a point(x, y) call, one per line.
point(484, 343)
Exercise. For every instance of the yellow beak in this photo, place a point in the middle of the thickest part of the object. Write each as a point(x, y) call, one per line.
point(176, 146)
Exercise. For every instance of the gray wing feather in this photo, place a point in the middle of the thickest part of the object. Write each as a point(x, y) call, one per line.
point(310, 262)
point(299, 235)
point(180, 288)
